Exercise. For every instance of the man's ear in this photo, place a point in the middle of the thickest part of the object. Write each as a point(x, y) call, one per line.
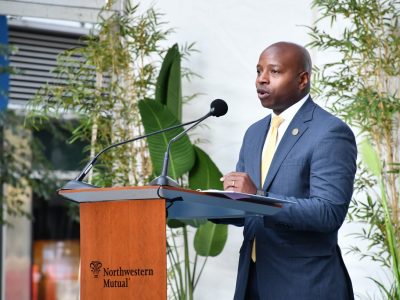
point(304, 80)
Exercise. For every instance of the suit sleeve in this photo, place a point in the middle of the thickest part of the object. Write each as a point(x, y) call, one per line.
point(332, 171)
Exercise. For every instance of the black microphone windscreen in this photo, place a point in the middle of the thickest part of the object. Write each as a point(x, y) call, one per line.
point(218, 108)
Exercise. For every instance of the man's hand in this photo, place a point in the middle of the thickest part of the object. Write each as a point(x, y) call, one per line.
point(239, 182)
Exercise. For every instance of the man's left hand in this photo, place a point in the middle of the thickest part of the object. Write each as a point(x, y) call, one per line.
point(239, 182)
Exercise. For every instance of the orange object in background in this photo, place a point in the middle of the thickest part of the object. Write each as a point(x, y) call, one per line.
point(35, 282)
point(55, 270)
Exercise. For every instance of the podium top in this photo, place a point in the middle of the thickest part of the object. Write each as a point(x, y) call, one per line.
point(183, 203)
point(96, 194)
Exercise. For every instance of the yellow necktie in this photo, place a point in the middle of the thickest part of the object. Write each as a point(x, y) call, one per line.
point(270, 146)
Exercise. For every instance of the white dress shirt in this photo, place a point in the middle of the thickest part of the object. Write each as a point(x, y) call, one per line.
point(288, 115)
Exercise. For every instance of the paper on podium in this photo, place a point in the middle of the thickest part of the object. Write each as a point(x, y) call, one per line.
point(250, 197)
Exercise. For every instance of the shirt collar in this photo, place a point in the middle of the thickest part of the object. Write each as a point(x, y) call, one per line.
point(289, 113)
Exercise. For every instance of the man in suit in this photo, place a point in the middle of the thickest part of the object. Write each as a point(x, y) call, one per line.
point(294, 254)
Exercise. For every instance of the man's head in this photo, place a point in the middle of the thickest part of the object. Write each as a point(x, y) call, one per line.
point(283, 75)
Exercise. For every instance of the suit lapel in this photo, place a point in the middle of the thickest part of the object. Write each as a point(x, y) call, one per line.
point(299, 122)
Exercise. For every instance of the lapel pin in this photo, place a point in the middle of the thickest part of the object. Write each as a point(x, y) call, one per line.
point(295, 131)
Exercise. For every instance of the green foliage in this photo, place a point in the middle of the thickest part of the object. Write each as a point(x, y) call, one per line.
point(156, 116)
point(362, 83)
point(168, 87)
point(5, 69)
point(374, 165)
point(210, 239)
point(204, 174)
point(362, 86)
point(185, 273)
point(17, 174)
point(370, 158)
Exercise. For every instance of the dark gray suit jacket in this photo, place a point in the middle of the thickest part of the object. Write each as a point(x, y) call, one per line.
point(297, 252)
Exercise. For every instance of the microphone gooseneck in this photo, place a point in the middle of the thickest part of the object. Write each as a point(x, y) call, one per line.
point(217, 108)
point(91, 163)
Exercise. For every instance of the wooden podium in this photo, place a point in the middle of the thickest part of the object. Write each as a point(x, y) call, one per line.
point(123, 234)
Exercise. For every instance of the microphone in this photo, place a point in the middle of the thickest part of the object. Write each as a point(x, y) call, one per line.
point(217, 108)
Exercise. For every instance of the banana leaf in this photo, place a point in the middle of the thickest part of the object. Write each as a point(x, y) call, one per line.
point(210, 239)
point(204, 174)
point(156, 116)
point(169, 84)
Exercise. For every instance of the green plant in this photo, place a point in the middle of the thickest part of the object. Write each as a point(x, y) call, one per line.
point(362, 86)
point(374, 165)
point(184, 273)
point(210, 238)
point(17, 173)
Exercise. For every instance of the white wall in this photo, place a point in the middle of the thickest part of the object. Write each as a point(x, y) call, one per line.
point(230, 36)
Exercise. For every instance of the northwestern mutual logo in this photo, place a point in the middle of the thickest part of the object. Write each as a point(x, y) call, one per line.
point(117, 277)
point(95, 267)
